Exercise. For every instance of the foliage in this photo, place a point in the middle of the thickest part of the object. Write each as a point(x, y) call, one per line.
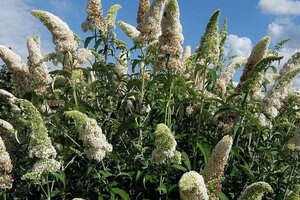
point(110, 113)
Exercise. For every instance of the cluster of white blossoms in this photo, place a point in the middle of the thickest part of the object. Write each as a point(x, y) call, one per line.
point(17, 67)
point(40, 145)
point(62, 36)
point(165, 146)
point(171, 38)
point(192, 187)
point(144, 6)
point(150, 26)
point(90, 133)
point(38, 69)
point(256, 191)
point(257, 54)
point(82, 56)
point(130, 31)
point(214, 170)
point(40, 167)
point(227, 74)
point(31, 77)
point(273, 100)
point(294, 143)
point(96, 20)
point(5, 161)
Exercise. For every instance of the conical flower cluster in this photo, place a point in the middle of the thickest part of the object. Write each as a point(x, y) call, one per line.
point(209, 46)
point(192, 187)
point(255, 191)
point(150, 26)
point(278, 92)
point(257, 54)
point(165, 146)
point(5, 161)
point(130, 31)
point(17, 67)
point(91, 135)
point(96, 20)
point(170, 48)
point(38, 70)
point(214, 169)
point(62, 36)
point(40, 145)
point(226, 76)
point(144, 6)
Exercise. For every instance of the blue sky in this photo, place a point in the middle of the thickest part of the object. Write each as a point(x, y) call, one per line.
point(249, 20)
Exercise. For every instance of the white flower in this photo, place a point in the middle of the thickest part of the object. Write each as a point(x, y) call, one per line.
point(63, 38)
point(130, 31)
point(165, 145)
point(39, 74)
point(255, 191)
point(214, 169)
point(82, 55)
point(91, 134)
point(192, 187)
point(150, 27)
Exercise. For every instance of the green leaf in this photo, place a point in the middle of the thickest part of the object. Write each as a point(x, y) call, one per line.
point(186, 160)
point(222, 196)
point(122, 193)
point(87, 41)
point(205, 150)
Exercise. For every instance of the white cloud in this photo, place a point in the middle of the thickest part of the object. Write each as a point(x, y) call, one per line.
point(280, 7)
point(237, 46)
point(283, 28)
point(17, 24)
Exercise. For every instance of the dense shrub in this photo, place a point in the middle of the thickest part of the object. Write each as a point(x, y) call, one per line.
point(150, 121)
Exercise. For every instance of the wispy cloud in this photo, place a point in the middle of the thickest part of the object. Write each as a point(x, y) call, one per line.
point(280, 7)
point(17, 24)
point(237, 46)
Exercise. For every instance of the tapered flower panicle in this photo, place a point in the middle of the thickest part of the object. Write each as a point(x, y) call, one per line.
point(150, 27)
point(279, 91)
point(223, 33)
point(294, 143)
point(5, 161)
point(18, 69)
point(38, 69)
point(170, 48)
point(255, 191)
point(172, 37)
point(214, 169)
point(165, 146)
point(91, 135)
point(130, 31)
point(40, 145)
point(257, 54)
point(192, 187)
point(226, 76)
point(63, 38)
point(112, 15)
point(210, 42)
point(95, 19)
point(144, 6)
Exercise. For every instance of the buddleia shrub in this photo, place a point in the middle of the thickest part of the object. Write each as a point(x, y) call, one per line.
point(151, 120)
